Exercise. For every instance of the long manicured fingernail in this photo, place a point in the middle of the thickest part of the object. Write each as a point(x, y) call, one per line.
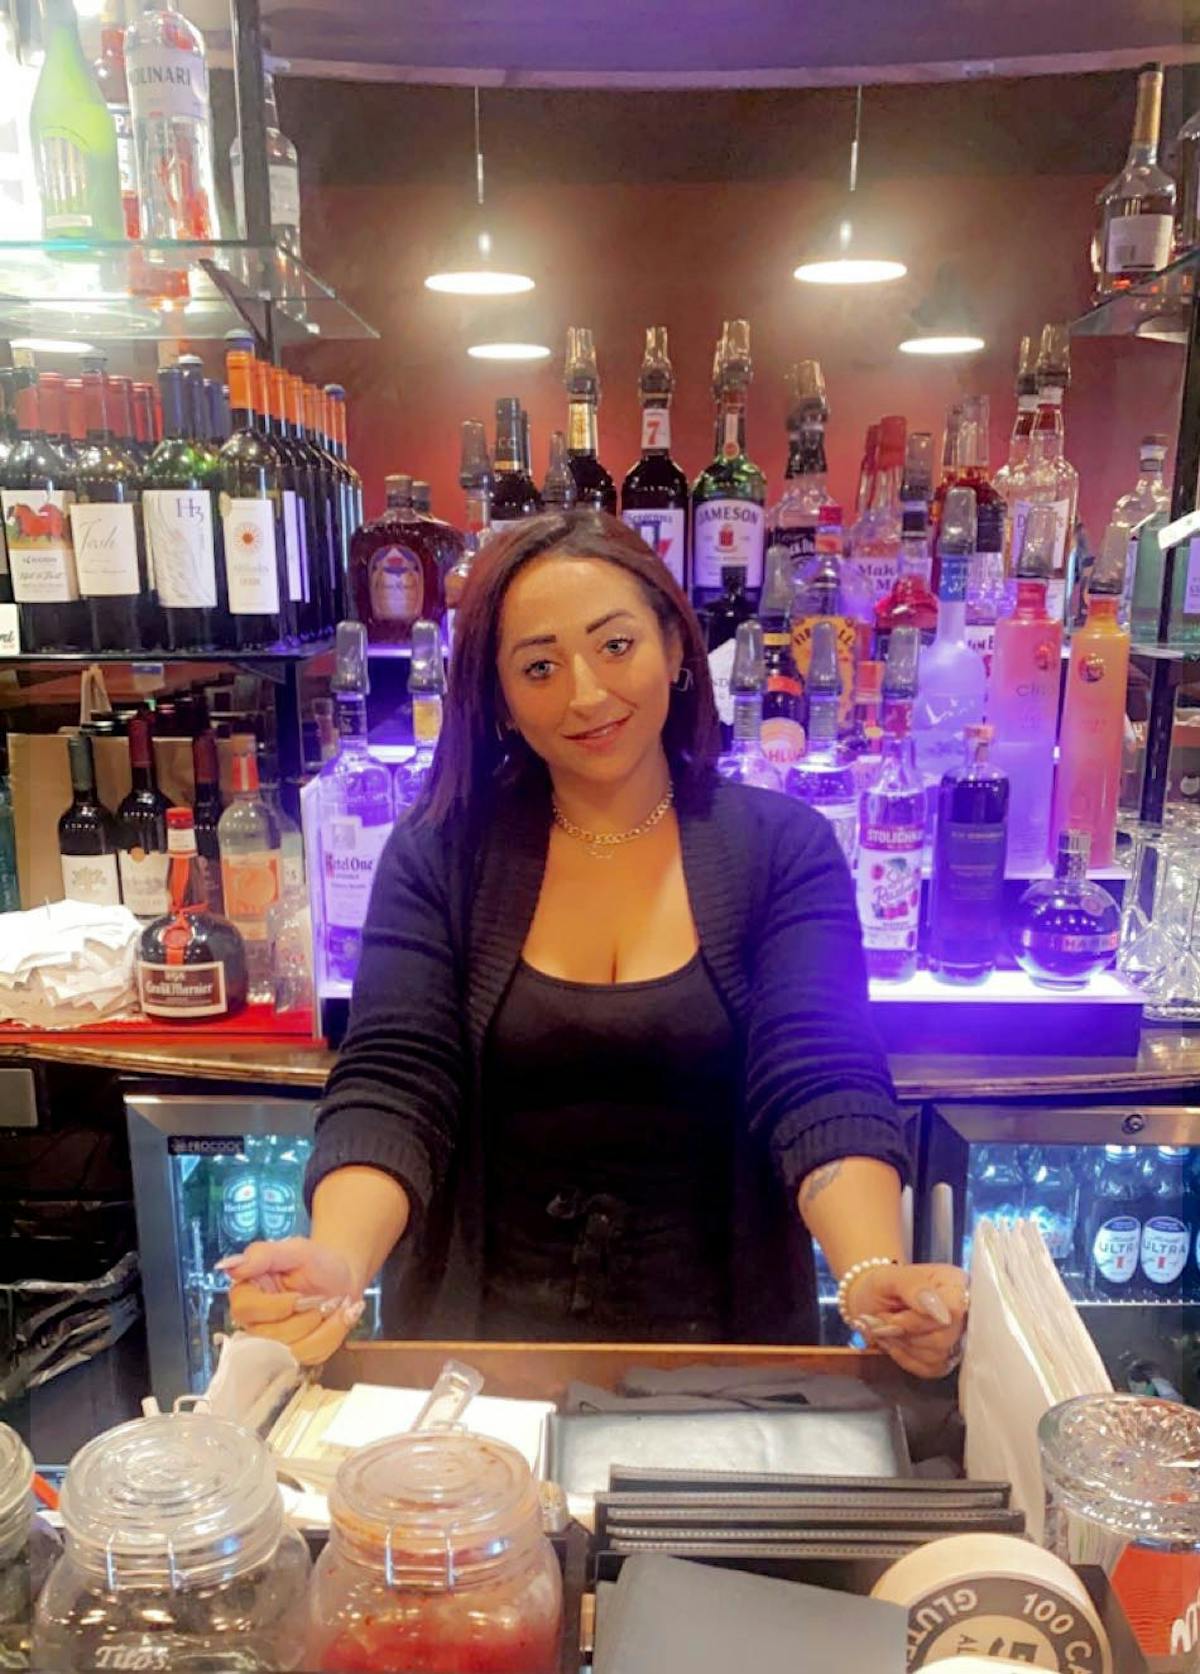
point(932, 1305)
point(353, 1312)
point(229, 1263)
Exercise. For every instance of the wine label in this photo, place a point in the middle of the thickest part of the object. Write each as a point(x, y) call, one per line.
point(396, 584)
point(350, 855)
point(656, 429)
point(293, 538)
point(1164, 1249)
point(182, 990)
point(251, 564)
point(41, 558)
point(664, 532)
point(144, 881)
point(106, 556)
point(1138, 243)
point(92, 878)
point(179, 546)
point(725, 533)
point(888, 885)
point(285, 194)
point(167, 82)
point(251, 887)
point(1116, 1247)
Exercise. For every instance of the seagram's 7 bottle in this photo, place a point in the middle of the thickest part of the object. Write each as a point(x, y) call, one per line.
point(728, 521)
point(654, 495)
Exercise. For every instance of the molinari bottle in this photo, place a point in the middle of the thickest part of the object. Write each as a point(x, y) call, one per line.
point(728, 495)
point(191, 963)
point(654, 495)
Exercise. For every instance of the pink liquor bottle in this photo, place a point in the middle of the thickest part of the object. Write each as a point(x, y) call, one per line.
point(892, 837)
point(1089, 768)
point(1023, 698)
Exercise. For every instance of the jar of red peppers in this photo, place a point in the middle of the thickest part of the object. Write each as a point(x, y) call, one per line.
point(436, 1562)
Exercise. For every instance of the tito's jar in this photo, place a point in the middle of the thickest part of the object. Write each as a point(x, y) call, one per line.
point(436, 1561)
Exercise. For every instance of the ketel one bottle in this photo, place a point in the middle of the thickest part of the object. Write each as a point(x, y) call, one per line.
point(654, 495)
point(728, 496)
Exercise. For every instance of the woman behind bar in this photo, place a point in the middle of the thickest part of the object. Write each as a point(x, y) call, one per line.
point(609, 1060)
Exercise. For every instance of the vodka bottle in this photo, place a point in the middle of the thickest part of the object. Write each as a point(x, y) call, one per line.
point(745, 763)
point(952, 688)
point(427, 688)
point(824, 777)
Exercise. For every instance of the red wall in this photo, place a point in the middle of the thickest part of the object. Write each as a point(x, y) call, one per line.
point(619, 258)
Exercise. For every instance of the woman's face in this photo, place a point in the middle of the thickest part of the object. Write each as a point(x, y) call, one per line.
point(585, 670)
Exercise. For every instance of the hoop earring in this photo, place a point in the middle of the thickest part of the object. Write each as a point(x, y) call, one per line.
point(684, 681)
point(504, 732)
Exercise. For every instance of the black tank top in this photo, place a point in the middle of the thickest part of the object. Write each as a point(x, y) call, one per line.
point(609, 1113)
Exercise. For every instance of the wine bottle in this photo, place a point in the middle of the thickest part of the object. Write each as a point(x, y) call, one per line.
point(251, 483)
point(206, 809)
point(298, 502)
point(74, 139)
point(142, 828)
point(106, 530)
point(36, 497)
point(87, 835)
point(183, 533)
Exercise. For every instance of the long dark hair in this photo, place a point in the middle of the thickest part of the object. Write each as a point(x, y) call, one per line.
point(475, 755)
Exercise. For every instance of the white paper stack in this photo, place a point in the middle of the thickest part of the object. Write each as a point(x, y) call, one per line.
point(1027, 1350)
point(67, 965)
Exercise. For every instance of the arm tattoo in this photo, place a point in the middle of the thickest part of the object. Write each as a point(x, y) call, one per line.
point(816, 1182)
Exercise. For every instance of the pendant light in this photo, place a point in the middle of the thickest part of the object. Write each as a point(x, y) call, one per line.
point(945, 322)
point(847, 257)
point(474, 273)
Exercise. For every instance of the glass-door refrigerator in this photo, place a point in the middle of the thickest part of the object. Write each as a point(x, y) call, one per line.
point(1116, 1193)
point(211, 1175)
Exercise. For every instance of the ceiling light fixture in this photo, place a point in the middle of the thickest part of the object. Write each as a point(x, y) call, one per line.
point(848, 259)
point(474, 274)
point(508, 351)
point(944, 323)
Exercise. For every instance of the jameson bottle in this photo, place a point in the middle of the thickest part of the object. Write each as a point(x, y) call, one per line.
point(594, 485)
point(654, 495)
point(728, 495)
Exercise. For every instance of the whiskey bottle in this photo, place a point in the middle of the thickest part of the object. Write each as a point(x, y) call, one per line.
point(396, 566)
point(514, 494)
point(654, 495)
point(793, 521)
point(1136, 212)
point(594, 485)
point(728, 495)
point(191, 963)
point(87, 835)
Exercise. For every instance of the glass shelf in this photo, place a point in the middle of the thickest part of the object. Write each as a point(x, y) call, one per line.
point(150, 291)
point(274, 654)
point(1168, 653)
point(1158, 308)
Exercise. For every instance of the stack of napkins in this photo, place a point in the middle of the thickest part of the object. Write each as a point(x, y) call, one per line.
point(67, 965)
point(1027, 1350)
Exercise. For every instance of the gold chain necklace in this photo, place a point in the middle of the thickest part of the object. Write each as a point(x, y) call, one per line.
point(600, 844)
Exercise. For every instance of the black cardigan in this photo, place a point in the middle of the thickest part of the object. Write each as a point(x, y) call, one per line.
point(774, 911)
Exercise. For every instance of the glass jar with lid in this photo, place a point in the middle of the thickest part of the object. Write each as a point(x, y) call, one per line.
point(16, 1534)
point(177, 1555)
point(436, 1561)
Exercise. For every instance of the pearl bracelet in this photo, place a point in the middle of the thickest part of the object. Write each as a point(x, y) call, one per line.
point(852, 1273)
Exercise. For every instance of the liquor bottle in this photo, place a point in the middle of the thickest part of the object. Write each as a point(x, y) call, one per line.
point(866, 472)
point(745, 763)
point(206, 814)
point(283, 169)
point(250, 874)
point(1087, 789)
point(909, 601)
point(595, 486)
point(1143, 512)
point(291, 843)
point(875, 540)
point(172, 124)
point(654, 495)
point(251, 488)
point(864, 741)
point(38, 491)
point(985, 575)
point(219, 423)
point(427, 688)
point(783, 703)
point(1183, 627)
point(396, 566)
point(723, 618)
point(1022, 433)
point(1048, 478)
point(299, 532)
point(1135, 213)
point(191, 963)
point(1023, 696)
point(142, 827)
point(10, 883)
point(18, 171)
point(900, 681)
point(792, 522)
point(476, 480)
point(891, 840)
point(559, 488)
point(513, 494)
point(422, 497)
point(1186, 152)
point(1066, 928)
point(114, 88)
point(184, 536)
point(966, 886)
point(87, 834)
point(824, 776)
point(74, 141)
point(357, 810)
point(728, 495)
point(952, 689)
point(824, 594)
point(106, 532)
point(1112, 1237)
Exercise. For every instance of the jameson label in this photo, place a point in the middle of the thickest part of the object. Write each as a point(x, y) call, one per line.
point(41, 559)
point(179, 546)
point(106, 556)
point(182, 990)
point(1164, 1249)
point(351, 854)
point(1009, 1617)
point(92, 878)
point(1116, 1247)
point(656, 429)
point(664, 532)
point(144, 881)
point(167, 82)
point(396, 584)
point(724, 533)
point(251, 566)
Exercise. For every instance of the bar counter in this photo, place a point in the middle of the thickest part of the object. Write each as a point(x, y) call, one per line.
point(1168, 1061)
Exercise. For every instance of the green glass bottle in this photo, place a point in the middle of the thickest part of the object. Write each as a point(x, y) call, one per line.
point(74, 139)
point(728, 520)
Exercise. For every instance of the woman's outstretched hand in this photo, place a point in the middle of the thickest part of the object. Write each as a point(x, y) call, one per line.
point(916, 1314)
point(296, 1291)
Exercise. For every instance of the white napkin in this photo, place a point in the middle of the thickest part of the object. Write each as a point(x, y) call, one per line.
point(67, 964)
